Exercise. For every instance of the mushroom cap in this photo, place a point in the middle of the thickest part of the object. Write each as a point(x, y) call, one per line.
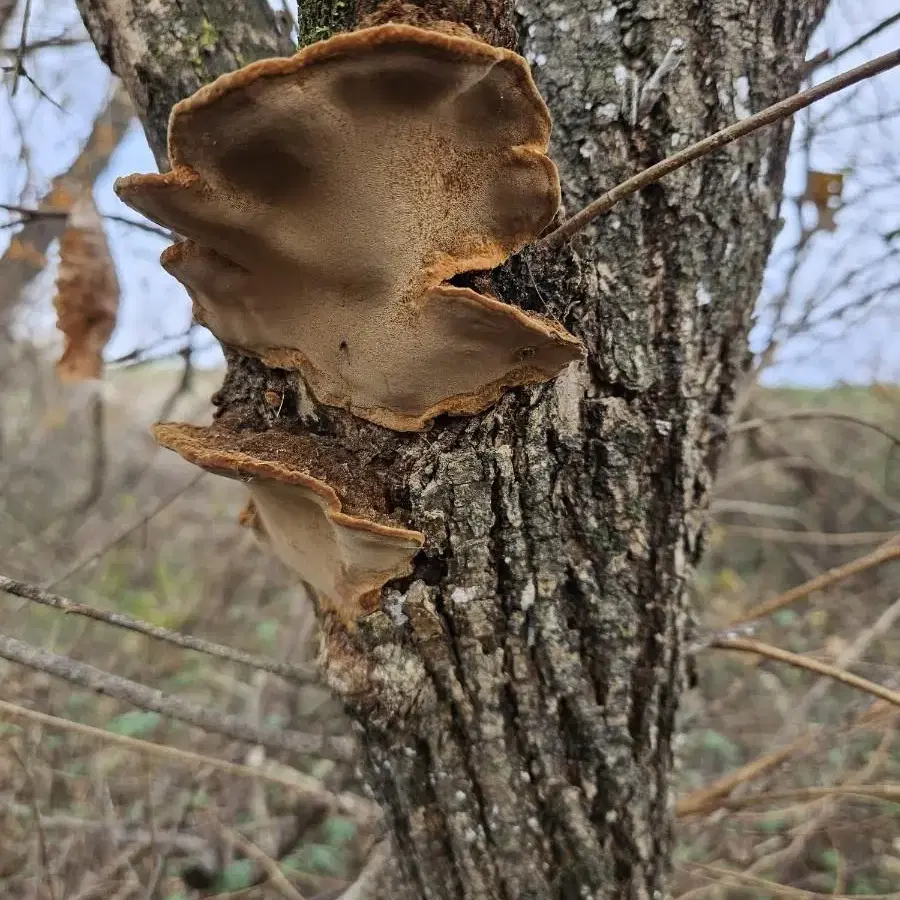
point(328, 197)
point(345, 558)
point(452, 350)
point(87, 292)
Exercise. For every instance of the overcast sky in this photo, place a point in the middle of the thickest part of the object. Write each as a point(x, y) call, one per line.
point(863, 140)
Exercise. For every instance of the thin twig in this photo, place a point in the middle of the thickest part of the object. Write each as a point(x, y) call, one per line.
point(885, 553)
point(140, 695)
point(347, 804)
point(869, 791)
point(251, 851)
point(138, 352)
point(811, 464)
point(20, 52)
point(748, 645)
point(28, 213)
point(21, 70)
point(706, 800)
point(46, 44)
point(185, 383)
point(79, 564)
point(99, 888)
point(302, 674)
point(99, 458)
point(44, 854)
point(362, 887)
point(850, 654)
point(822, 538)
point(768, 116)
point(722, 876)
point(827, 57)
point(800, 414)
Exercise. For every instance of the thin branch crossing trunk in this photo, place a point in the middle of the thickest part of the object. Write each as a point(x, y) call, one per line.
point(517, 695)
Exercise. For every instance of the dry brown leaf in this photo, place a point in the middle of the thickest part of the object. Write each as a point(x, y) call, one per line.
point(824, 189)
point(87, 293)
point(22, 251)
point(60, 197)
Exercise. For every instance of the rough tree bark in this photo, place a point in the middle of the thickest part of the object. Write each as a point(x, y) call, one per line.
point(516, 697)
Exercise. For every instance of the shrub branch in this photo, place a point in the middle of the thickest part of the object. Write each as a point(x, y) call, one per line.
point(140, 695)
point(748, 645)
point(769, 116)
point(23, 589)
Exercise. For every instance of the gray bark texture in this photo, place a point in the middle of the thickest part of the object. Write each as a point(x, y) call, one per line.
point(516, 697)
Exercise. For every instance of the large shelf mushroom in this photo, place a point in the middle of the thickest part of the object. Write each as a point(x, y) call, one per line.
point(318, 512)
point(327, 200)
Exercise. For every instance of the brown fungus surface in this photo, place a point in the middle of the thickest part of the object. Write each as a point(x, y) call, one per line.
point(332, 532)
point(328, 198)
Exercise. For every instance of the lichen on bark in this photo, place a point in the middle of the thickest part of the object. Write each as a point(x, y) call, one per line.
point(319, 19)
point(516, 696)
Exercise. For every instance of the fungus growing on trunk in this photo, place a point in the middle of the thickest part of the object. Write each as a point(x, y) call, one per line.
point(87, 292)
point(320, 511)
point(328, 198)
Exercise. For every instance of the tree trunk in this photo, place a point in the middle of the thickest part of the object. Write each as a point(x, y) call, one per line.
point(516, 697)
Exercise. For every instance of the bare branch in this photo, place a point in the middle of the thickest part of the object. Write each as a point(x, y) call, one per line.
point(251, 851)
point(861, 642)
point(185, 383)
point(28, 214)
point(889, 792)
point(86, 560)
point(886, 553)
point(707, 800)
point(768, 116)
point(174, 707)
point(142, 351)
point(44, 44)
point(98, 458)
point(822, 538)
point(301, 674)
point(827, 56)
point(747, 645)
point(20, 70)
point(803, 414)
point(46, 873)
point(362, 888)
point(20, 52)
point(725, 878)
point(347, 804)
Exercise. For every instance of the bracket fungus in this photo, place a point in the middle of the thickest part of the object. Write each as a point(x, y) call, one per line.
point(87, 292)
point(313, 505)
point(328, 199)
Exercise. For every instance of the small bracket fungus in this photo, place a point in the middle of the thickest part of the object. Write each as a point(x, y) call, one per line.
point(326, 531)
point(329, 197)
point(87, 292)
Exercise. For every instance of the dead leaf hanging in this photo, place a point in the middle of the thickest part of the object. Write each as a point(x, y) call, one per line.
point(87, 293)
point(823, 189)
